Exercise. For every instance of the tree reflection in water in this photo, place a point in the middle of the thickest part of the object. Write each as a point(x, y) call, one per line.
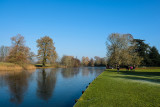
point(70, 72)
point(17, 84)
point(2, 80)
point(46, 81)
point(85, 71)
point(99, 70)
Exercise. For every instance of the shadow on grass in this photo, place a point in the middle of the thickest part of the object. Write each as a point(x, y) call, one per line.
point(142, 76)
point(139, 78)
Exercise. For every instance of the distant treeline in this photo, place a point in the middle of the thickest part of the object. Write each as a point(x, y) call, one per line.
point(70, 61)
point(122, 49)
point(20, 54)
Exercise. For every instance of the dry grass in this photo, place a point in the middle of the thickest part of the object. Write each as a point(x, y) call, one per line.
point(9, 67)
point(29, 67)
point(13, 67)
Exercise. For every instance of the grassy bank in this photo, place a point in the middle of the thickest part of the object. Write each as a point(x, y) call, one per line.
point(123, 89)
point(12, 66)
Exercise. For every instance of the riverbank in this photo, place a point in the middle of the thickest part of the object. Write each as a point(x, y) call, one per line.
point(140, 88)
point(12, 67)
point(49, 66)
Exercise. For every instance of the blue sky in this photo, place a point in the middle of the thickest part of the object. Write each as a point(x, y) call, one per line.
point(79, 27)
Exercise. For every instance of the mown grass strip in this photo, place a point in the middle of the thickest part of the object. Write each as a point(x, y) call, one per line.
point(123, 89)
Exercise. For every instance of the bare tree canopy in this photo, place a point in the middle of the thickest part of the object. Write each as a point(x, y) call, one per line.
point(4, 50)
point(19, 53)
point(121, 50)
point(18, 40)
point(70, 61)
point(91, 62)
point(46, 52)
point(85, 61)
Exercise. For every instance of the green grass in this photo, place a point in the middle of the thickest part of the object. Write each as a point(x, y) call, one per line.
point(123, 89)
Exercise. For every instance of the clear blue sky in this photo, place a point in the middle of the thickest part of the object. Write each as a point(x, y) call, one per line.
point(79, 27)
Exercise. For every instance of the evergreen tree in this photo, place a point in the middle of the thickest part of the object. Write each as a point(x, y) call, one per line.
point(143, 50)
point(154, 56)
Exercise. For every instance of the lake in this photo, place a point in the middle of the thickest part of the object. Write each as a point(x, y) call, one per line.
point(45, 87)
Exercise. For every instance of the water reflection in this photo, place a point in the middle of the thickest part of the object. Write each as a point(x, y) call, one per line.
point(70, 72)
point(45, 87)
point(99, 70)
point(85, 71)
point(2, 81)
point(17, 84)
point(46, 81)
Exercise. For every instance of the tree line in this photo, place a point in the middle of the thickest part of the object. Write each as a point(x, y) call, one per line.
point(70, 61)
point(124, 50)
point(20, 54)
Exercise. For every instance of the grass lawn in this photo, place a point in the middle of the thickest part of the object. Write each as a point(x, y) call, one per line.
point(123, 89)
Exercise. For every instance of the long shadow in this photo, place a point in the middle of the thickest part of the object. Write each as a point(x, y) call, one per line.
point(146, 76)
point(144, 73)
point(139, 78)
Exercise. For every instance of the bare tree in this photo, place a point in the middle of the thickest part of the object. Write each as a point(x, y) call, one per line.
point(4, 50)
point(76, 62)
point(100, 61)
point(103, 61)
point(46, 52)
point(121, 50)
point(85, 61)
point(70, 61)
point(91, 62)
point(67, 60)
point(19, 53)
point(97, 60)
point(32, 57)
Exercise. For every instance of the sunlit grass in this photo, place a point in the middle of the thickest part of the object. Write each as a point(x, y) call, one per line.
point(123, 89)
point(29, 67)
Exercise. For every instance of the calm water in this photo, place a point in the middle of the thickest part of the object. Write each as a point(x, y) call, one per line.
point(45, 87)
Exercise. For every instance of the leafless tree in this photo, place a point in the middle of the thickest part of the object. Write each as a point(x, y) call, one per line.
point(46, 52)
point(121, 50)
point(85, 61)
point(4, 50)
point(91, 62)
point(70, 61)
point(19, 53)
